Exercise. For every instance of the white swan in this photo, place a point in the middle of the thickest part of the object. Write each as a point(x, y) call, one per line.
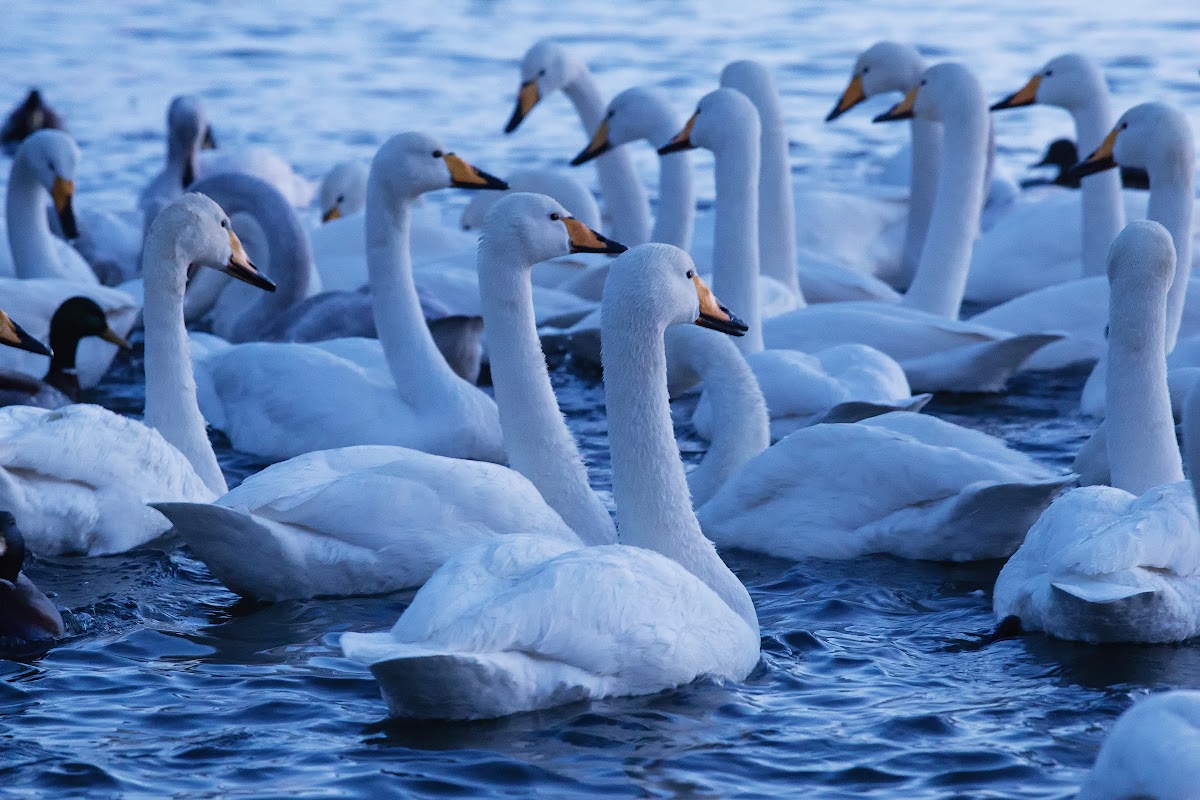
point(1152, 752)
point(548, 67)
point(531, 623)
point(77, 479)
point(937, 351)
point(1122, 563)
point(374, 519)
point(279, 400)
point(343, 190)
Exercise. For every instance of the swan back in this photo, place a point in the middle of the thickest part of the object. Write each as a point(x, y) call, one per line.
point(343, 190)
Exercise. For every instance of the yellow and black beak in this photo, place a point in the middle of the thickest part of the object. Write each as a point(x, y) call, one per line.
point(681, 140)
point(586, 240)
point(527, 97)
point(464, 176)
point(1025, 96)
point(14, 335)
point(112, 337)
point(1099, 160)
point(853, 95)
point(902, 110)
point(239, 266)
point(713, 314)
point(598, 146)
point(62, 192)
point(331, 214)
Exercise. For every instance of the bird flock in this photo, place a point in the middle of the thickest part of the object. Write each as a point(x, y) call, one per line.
point(350, 353)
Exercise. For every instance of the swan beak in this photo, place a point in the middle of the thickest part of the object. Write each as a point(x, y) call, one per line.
point(713, 314)
point(112, 337)
point(464, 176)
point(527, 97)
point(1100, 160)
point(24, 611)
point(209, 142)
point(598, 146)
point(586, 240)
point(239, 266)
point(902, 110)
point(681, 140)
point(331, 214)
point(1025, 96)
point(853, 95)
point(62, 192)
point(14, 335)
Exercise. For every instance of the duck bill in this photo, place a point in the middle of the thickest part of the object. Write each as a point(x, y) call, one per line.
point(598, 146)
point(586, 240)
point(681, 140)
point(62, 193)
point(464, 176)
point(1098, 161)
point(527, 97)
point(1025, 96)
point(853, 95)
point(112, 337)
point(240, 267)
point(902, 110)
point(331, 214)
point(714, 315)
point(14, 335)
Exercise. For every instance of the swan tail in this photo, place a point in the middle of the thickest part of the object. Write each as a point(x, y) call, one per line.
point(1091, 590)
point(232, 544)
point(981, 367)
point(993, 519)
point(858, 410)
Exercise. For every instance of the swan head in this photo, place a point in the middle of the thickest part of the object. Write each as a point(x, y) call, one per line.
point(1068, 81)
point(640, 112)
point(343, 190)
point(51, 155)
point(755, 81)
point(25, 613)
point(535, 228)
point(883, 67)
point(1144, 255)
point(186, 131)
point(574, 196)
point(657, 284)
point(196, 231)
point(1155, 137)
point(724, 118)
point(410, 164)
point(546, 68)
point(13, 335)
point(945, 91)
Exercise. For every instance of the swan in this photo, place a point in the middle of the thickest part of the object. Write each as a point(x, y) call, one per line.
point(31, 115)
point(77, 478)
point(44, 170)
point(75, 319)
point(343, 190)
point(278, 400)
point(1151, 751)
point(1121, 563)
point(529, 622)
point(374, 519)
point(937, 351)
point(26, 614)
point(548, 67)
point(1062, 154)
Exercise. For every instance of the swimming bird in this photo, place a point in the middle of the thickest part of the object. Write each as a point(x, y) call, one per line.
point(1062, 154)
point(1152, 752)
point(31, 115)
point(343, 190)
point(26, 614)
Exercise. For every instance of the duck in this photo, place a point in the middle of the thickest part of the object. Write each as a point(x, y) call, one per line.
point(413, 511)
point(77, 479)
point(527, 622)
point(548, 67)
point(279, 400)
point(1062, 154)
point(30, 115)
point(1150, 752)
point(1121, 563)
point(26, 614)
point(75, 319)
point(937, 351)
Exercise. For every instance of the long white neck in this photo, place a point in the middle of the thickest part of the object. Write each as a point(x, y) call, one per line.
point(1170, 203)
point(654, 509)
point(417, 366)
point(926, 151)
point(941, 275)
point(1142, 452)
point(742, 428)
point(171, 406)
point(1103, 209)
point(735, 238)
point(676, 200)
point(538, 442)
point(776, 205)
point(625, 199)
point(29, 237)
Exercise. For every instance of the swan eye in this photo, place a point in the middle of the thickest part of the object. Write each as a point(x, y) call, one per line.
point(542, 73)
point(554, 216)
point(1124, 125)
point(224, 223)
point(341, 198)
point(691, 273)
point(50, 164)
point(923, 82)
point(866, 70)
point(1049, 72)
point(438, 154)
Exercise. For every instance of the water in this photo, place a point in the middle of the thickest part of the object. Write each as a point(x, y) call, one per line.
point(869, 684)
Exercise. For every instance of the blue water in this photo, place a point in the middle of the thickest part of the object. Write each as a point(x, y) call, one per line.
point(869, 685)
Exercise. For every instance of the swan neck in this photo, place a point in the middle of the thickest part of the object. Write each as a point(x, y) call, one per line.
point(676, 201)
point(735, 238)
point(776, 204)
point(29, 239)
point(926, 150)
point(538, 442)
point(1170, 203)
point(1100, 194)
